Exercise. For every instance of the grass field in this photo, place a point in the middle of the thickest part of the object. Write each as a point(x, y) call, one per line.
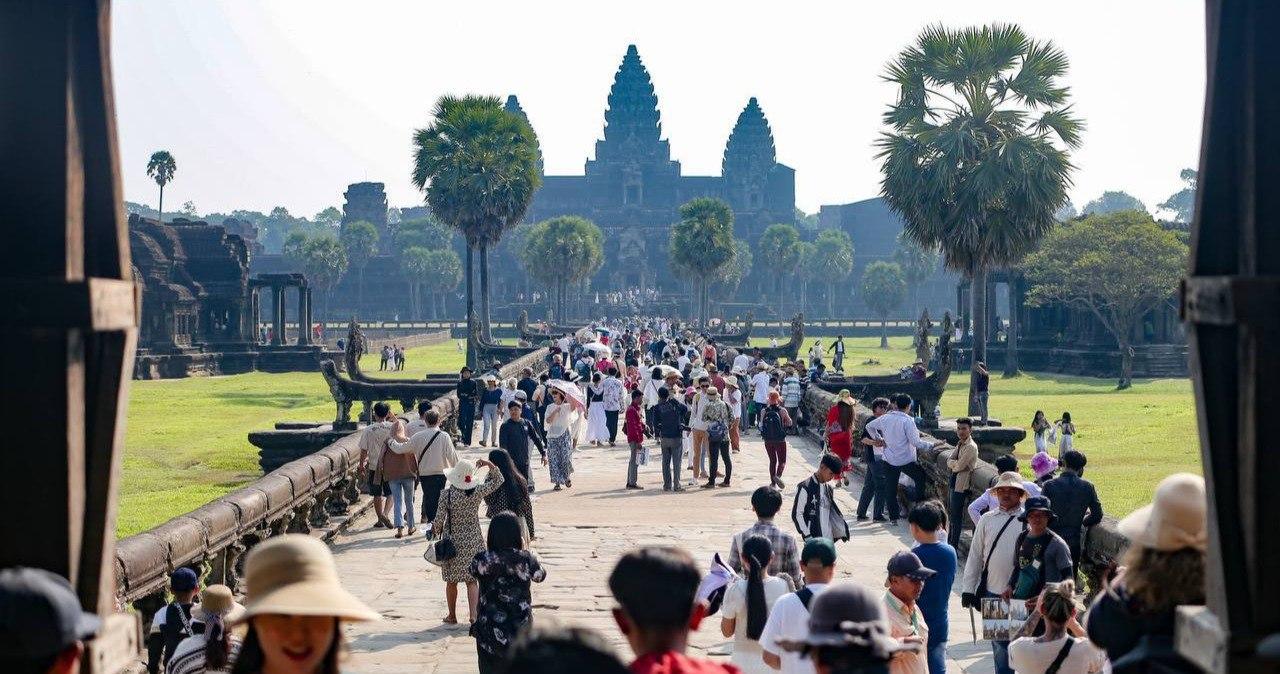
point(185, 443)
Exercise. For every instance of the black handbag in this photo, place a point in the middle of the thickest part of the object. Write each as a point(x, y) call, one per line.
point(443, 550)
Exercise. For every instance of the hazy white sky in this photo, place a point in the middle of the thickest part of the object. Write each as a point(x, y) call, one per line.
point(272, 102)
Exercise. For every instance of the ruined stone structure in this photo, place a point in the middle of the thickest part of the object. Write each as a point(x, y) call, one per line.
point(368, 202)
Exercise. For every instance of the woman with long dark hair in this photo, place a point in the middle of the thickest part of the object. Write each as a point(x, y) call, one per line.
point(513, 496)
point(295, 609)
point(747, 604)
point(505, 571)
point(212, 650)
point(1040, 428)
point(839, 431)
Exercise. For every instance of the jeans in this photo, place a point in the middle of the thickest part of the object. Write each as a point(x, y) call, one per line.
point(466, 420)
point(432, 485)
point(838, 363)
point(720, 450)
point(889, 484)
point(871, 486)
point(672, 456)
point(611, 423)
point(956, 515)
point(633, 466)
point(982, 397)
point(402, 495)
point(489, 429)
point(936, 655)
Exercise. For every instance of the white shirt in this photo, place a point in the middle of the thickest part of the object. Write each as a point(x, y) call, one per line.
point(789, 621)
point(741, 362)
point(824, 512)
point(559, 425)
point(735, 606)
point(695, 414)
point(733, 397)
point(434, 458)
point(374, 440)
point(1003, 559)
point(681, 362)
point(760, 388)
point(988, 500)
point(651, 387)
point(901, 436)
point(1028, 656)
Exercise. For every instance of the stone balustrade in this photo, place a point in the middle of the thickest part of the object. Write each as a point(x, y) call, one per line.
point(413, 341)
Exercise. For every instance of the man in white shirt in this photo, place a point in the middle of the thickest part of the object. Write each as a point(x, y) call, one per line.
point(373, 440)
point(993, 554)
point(901, 439)
point(988, 500)
point(789, 619)
point(434, 449)
point(741, 362)
point(759, 392)
point(698, 438)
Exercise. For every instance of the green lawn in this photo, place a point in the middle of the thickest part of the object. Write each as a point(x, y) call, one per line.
point(186, 439)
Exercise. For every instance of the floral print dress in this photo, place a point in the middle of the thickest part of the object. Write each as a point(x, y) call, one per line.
point(459, 519)
point(506, 606)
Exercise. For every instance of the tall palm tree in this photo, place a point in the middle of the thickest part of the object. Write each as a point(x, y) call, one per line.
point(976, 160)
point(478, 165)
point(161, 168)
point(562, 251)
point(702, 245)
point(779, 249)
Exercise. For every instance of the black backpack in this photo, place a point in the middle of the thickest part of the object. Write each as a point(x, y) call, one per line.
point(771, 424)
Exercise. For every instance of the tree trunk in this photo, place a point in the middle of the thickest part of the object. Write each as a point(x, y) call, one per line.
point(978, 330)
point(884, 331)
point(782, 298)
point(1126, 365)
point(360, 287)
point(160, 206)
point(831, 300)
point(1011, 335)
point(484, 292)
point(471, 346)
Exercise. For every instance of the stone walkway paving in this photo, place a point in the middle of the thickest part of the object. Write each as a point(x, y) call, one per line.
point(581, 533)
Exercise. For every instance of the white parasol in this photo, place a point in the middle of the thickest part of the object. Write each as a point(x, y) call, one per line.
point(572, 394)
point(598, 349)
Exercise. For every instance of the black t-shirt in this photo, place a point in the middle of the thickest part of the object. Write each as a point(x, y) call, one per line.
point(982, 382)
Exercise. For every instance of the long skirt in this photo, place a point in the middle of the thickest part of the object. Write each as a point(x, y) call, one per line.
point(597, 428)
point(1041, 443)
point(1065, 445)
point(560, 458)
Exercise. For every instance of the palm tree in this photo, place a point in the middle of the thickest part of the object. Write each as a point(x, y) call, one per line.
point(780, 251)
point(478, 165)
point(832, 262)
point(415, 264)
point(324, 261)
point(161, 168)
point(806, 256)
point(918, 264)
point(560, 252)
point(883, 289)
point(702, 245)
point(976, 161)
point(360, 240)
point(443, 274)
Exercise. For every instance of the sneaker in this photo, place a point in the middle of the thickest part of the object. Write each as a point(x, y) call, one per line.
point(666, 487)
point(677, 488)
point(862, 518)
point(709, 485)
point(893, 523)
point(879, 519)
point(634, 486)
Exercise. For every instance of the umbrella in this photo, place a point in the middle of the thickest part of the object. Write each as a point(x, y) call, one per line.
point(571, 392)
point(598, 348)
point(665, 370)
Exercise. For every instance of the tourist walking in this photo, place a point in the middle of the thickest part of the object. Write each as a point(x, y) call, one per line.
point(774, 421)
point(791, 392)
point(901, 440)
point(838, 348)
point(171, 624)
point(766, 502)
point(848, 633)
point(1065, 429)
point(1075, 503)
point(514, 437)
point(1040, 429)
point(872, 454)
point(747, 603)
point(513, 496)
point(925, 521)
point(839, 432)
point(210, 650)
point(992, 557)
point(459, 520)
point(560, 440)
point(1133, 618)
point(961, 465)
point(1063, 647)
point(614, 391)
point(505, 571)
point(733, 398)
point(717, 418)
point(650, 393)
point(468, 395)
point(373, 442)
point(656, 591)
point(490, 399)
point(789, 619)
point(386, 357)
point(981, 384)
point(399, 470)
point(759, 392)
point(698, 430)
point(433, 450)
point(597, 429)
point(668, 419)
point(814, 510)
point(634, 430)
point(906, 579)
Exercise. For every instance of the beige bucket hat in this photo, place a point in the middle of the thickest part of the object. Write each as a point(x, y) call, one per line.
point(1012, 480)
point(1176, 519)
point(294, 574)
point(216, 601)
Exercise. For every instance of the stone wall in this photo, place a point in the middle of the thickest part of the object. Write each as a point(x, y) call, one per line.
point(1103, 543)
point(410, 341)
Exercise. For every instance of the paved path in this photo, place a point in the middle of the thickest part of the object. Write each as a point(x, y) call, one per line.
point(581, 533)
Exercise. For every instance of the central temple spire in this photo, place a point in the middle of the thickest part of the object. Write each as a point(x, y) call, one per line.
point(632, 123)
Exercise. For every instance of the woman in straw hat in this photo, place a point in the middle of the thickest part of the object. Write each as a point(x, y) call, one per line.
point(295, 609)
point(214, 648)
point(1164, 567)
point(459, 519)
point(839, 431)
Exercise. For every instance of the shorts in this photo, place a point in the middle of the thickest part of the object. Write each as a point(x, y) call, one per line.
point(376, 489)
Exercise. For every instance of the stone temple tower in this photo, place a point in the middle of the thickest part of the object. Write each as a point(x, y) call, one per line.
point(513, 106)
point(748, 158)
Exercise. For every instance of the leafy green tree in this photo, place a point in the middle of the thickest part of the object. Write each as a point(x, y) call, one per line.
point(1183, 202)
point(779, 251)
point(832, 262)
point(292, 248)
point(976, 161)
point(702, 245)
point(807, 222)
point(478, 165)
point(189, 209)
point(329, 217)
point(324, 261)
point(732, 275)
point(415, 264)
point(1067, 212)
point(806, 256)
point(360, 241)
point(883, 289)
point(426, 233)
point(443, 274)
point(1112, 201)
point(918, 264)
point(562, 251)
point(1117, 266)
point(161, 168)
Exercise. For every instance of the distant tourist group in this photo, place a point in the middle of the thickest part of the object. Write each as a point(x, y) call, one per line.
point(391, 357)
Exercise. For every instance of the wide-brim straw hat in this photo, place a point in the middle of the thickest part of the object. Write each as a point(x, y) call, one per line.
point(294, 574)
point(1012, 480)
point(217, 601)
point(1176, 519)
point(730, 383)
point(466, 476)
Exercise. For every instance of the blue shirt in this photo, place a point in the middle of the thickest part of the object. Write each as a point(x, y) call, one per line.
point(936, 596)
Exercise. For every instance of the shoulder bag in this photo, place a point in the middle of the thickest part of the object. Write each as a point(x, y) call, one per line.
point(1062, 656)
point(443, 550)
point(982, 582)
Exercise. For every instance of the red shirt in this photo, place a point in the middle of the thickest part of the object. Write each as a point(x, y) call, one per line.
point(634, 426)
point(671, 662)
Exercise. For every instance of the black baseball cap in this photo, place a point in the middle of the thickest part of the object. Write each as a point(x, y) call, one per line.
point(40, 615)
point(909, 565)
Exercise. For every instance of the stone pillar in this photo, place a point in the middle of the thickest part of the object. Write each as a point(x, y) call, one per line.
point(277, 318)
point(255, 313)
point(1011, 336)
point(304, 325)
point(310, 319)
